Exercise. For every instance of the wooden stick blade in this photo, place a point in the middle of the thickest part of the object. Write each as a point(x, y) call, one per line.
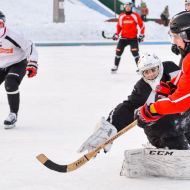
point(85, 158)
point(50, 164)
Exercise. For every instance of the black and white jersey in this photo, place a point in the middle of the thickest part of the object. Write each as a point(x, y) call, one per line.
point(14, 48)
point(123, 114)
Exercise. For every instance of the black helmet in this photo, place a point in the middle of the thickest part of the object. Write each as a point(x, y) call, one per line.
point(180, 24)
point(2, 16)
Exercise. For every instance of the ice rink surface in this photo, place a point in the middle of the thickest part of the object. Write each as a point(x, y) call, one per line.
point(60, 108)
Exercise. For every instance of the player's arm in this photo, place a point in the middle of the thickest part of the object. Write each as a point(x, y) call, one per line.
point(30, 50)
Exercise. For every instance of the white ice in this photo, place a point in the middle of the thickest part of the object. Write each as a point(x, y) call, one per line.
point(59, 109)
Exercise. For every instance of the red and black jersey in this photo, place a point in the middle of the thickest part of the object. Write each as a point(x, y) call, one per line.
point(128, 24)
point(179, 101)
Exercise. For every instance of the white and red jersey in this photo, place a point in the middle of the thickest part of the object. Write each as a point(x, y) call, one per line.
point(128, 24)
point(179, 101)
point(15, 48)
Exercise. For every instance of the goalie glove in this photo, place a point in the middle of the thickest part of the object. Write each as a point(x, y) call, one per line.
point(32, 68)
point(105, 131)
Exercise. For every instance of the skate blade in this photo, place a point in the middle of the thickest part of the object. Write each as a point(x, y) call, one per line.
point(9, 126)
point(113, 72)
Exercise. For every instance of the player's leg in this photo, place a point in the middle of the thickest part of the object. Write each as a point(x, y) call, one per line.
point(187, 135)
point(12, 81)
point(119, 51)
point(134, 49)
point(164, 135)
point(177, 142)
point(2, 75)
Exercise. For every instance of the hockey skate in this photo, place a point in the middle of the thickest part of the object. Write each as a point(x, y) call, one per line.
point(114, 69)
point(10, 121)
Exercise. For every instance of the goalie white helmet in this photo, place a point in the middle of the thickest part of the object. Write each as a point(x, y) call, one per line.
point(149, 61)
point(187, 2)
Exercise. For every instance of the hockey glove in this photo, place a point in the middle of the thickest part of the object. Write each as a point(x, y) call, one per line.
point(104, 131)
point(115, 37)
point(145, 117)
point(175, 49)
point(32, 69)
point(165, 88)
point(141, 38)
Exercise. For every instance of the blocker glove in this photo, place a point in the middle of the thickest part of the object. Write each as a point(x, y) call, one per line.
point(104, 131)
point(145, 117)
point(115, 37)
point(141, 38)
point(32, 68)
point(165, 88)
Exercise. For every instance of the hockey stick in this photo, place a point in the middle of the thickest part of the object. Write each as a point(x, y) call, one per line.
point(85, 158)
point(104, 36)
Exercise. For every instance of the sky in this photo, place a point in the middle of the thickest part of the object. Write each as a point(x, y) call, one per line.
point(62, 104)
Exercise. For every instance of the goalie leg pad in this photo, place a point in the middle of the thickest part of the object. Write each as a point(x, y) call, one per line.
point(156, 162)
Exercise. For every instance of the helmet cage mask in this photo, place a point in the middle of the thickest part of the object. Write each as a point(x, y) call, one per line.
point(150, 62)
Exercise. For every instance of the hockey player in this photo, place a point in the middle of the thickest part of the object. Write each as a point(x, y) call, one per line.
point(179, 101)
point(128, 22)
point(175, 49)
point(17, 55)
point(167, 132)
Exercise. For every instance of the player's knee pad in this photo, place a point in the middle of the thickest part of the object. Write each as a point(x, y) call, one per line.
point(118, 52)
point(11, 84)
point(135, 52)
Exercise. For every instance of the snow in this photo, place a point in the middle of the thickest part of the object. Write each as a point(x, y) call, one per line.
point(34, 19)
point(72, 91)
point(59, 110)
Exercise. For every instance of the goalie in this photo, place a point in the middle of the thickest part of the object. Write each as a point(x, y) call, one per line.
point(170, 131)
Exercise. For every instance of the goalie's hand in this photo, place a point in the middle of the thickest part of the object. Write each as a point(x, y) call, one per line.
point(105, 131)
point(32, 68)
